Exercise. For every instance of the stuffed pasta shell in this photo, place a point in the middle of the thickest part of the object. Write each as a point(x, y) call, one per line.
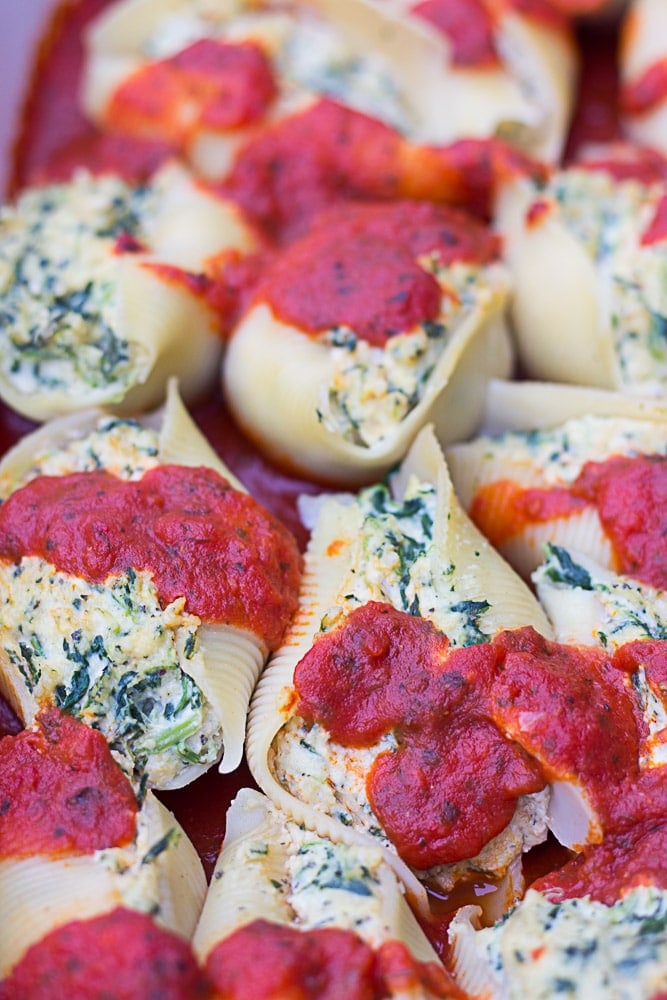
point(643, 66)
point(82, 856)
point(142, 589)
point(559, 481)
point(406, 571)
point(357, 334)
point(511, 70)
point(589, 605)
point(102, 286)
point(204, 77)
point(288, 909)
point(593, 928)
point(587, 254)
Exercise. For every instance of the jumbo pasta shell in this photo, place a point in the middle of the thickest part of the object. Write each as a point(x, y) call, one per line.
point(562, 331)
point(244, 889)
point(41, 893)
point(275, 380)
point(225, 661)
point(107, 322)
point(479, 574)
point(545, 449)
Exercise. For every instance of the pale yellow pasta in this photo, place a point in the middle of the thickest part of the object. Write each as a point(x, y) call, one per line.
point(589, 295)
point(270, 868)
point(456, 579)
point(91, 321)
point(42, 893)
point(221, 662)
point(334, 412)
point(526, 405)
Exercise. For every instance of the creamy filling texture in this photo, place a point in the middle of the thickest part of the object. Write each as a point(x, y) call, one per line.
point(609, 219)
point(61, 322)
point(577, 948)
point(373, 389)
point(111, 656)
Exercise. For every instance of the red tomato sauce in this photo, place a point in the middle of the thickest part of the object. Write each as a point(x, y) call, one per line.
point(467, 25)
point(328, 153)
point(628, 492)
point(209, 85)
point(645, 92)
point(466, 751)
point(626, 162)
point(570, 708)
point(121, 954)
point(271, 961)
point(652, 656)
point(61, 792)
point(54, 138)
point(609, 870)
point(657, 229)
point(471, 26)
point(360, 269)
point(200, 538)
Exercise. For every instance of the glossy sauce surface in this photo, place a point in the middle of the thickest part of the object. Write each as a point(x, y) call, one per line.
point(629, 494)
point(122, 953)
point(476, 727)
point(362, 269)
point(210, 84)
point(61, 792)
point(200, 538)
point(607, 871)
point(274, 962)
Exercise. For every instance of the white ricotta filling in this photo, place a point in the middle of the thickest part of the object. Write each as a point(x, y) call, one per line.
point(577, 949)
point(109, 655)
point(374, 388)
point(401, 565)
point(61, 326)
point(609, 218)
point(555, 457)
point(122, 447)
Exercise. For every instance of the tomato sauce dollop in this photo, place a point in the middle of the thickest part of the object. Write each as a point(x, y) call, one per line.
point(61, 792)
point(628, 492)
point(235, 563)
point(646, 91)
point(122, 954)
point(607, 871)
point(476, 727)
point(329, 153)
point(360, 268)
point(468, 26)
point(273, 961)
point(471, 26)
point(209, 85)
